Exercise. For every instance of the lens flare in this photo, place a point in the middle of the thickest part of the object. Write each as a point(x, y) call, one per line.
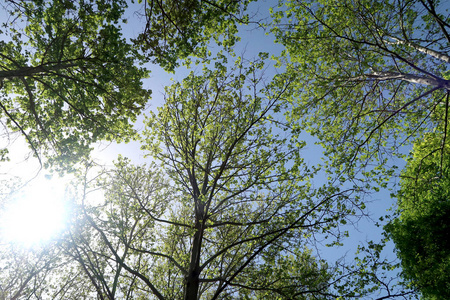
point(36, 214)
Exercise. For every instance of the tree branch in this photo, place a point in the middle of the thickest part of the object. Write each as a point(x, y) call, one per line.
point(382, 76)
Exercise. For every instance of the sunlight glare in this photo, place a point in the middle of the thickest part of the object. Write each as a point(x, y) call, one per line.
point(36, 214)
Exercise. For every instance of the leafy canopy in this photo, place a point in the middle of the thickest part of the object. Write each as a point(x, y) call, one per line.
point(367, 75)
point(421, 229)
point(176, 31)
point(226, 203)
point(68, 77)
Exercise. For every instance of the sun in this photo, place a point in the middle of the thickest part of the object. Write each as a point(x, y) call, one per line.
point(36, 214)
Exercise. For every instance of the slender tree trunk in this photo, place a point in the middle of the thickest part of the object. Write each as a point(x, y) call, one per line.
point(193, 276)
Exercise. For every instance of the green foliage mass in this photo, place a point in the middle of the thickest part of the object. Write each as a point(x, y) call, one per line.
point(68, 77)
point(421, 231)
point(366, 76)
point(178, 30)
point(223, 212)
point(240, 203)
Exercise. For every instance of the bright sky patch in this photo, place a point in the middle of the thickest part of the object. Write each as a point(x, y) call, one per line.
point(36, 214)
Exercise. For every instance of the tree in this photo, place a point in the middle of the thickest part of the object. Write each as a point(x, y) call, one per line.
point(228, 203)
point(106, 232)
point(217, 145)
point(367, 76)
point(225, 211)
point(371, 77)
point(67, 76)
point(37, 274)
point(177, 31)
point(421, 229)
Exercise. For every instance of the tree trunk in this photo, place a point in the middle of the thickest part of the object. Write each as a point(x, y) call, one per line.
point(31, 71)
point(193, 276)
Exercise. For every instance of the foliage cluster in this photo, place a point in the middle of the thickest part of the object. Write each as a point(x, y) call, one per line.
point(68, 77)
point(421, 230)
